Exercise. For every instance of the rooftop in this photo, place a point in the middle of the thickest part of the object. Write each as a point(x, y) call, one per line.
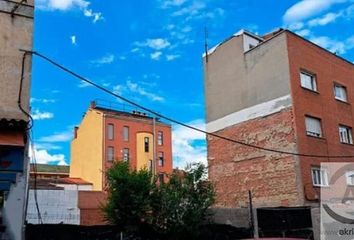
point(126, 111)
point(52, 184)
point(268, 37)
point(46, 168)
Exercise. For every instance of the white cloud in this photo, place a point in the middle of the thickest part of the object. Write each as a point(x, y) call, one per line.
point(132, 87)
point(95, 15)
point(186, 29)
point(304, 32)
point(296, 26)
point(172, 3)
point(73, 39)
point(67, 5)
point(156, 43)
point(47, 146)
point(42, 100)
point(118, 89)
point(307, 8)
point(324, 20)
point(156, 55)
point(57, 137)
point(84, 84)
point(188, 145)
point(330, 44)
point(62, 5)
point(42, 156)
point(135, 50)
point(106, 59)
point(38, 115)
point(191, 10)
point(171, 57)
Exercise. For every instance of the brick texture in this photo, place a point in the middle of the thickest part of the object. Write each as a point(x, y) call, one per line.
point(90, 203)
point(271, 177)
point(328, 69)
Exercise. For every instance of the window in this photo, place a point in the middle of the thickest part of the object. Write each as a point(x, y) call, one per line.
point(146, 144)
point(313, 126)
point(308, 81)
point(110, 153)
point(161, 159)
point(340, 92)
point(161, 178)
point(345, 134)
point(319, 177)
point(350, 178)
point(126, 133)
point(110, 131)
point(125, 154)
point(160, 138)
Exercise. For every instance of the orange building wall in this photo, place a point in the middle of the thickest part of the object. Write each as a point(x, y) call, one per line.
point(135, 127)
point(328, 69)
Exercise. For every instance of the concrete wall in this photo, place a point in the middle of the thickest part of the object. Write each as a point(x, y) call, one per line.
point(76, 187)
point(15, 34)
point(238, 217)
point(235, 80)
point(56, 206)
point(87, 150)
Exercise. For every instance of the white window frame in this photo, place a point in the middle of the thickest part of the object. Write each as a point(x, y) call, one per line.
point(311, 129)
point(345, 134)
point(350, 178)
point(110, 131)
point(110, 155)
point(125, 154)
point(319, 177)
point(160, 138)
point(341, 94)
point(312, 85)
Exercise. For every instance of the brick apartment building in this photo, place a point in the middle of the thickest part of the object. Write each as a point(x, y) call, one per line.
point(277, 91)
point(16, 29)
point(106, 135)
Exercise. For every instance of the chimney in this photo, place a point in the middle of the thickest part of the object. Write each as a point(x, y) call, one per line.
point(93, 104)
point(75, 132)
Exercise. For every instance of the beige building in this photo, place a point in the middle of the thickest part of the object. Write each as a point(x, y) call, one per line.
point(106, 135)
point(16, 27)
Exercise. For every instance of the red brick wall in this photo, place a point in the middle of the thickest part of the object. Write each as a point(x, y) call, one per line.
point(136, 126)
point(271, 177)
point(90, 203)
point(328, 69)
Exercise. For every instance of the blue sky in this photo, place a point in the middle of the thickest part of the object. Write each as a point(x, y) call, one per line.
point(150, 51)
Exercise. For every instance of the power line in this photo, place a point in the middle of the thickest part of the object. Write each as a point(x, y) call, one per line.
point(28, 129)
point(34, 167)
point(179, 122)
point(19, 100)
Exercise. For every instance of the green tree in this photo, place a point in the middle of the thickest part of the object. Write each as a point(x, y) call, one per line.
point(180, 206)
point(129, 194)
point(172, 210)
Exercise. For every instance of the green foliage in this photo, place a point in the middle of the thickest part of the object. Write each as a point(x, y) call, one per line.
point(176, 208)
point(180, 206)
point(129, 193)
